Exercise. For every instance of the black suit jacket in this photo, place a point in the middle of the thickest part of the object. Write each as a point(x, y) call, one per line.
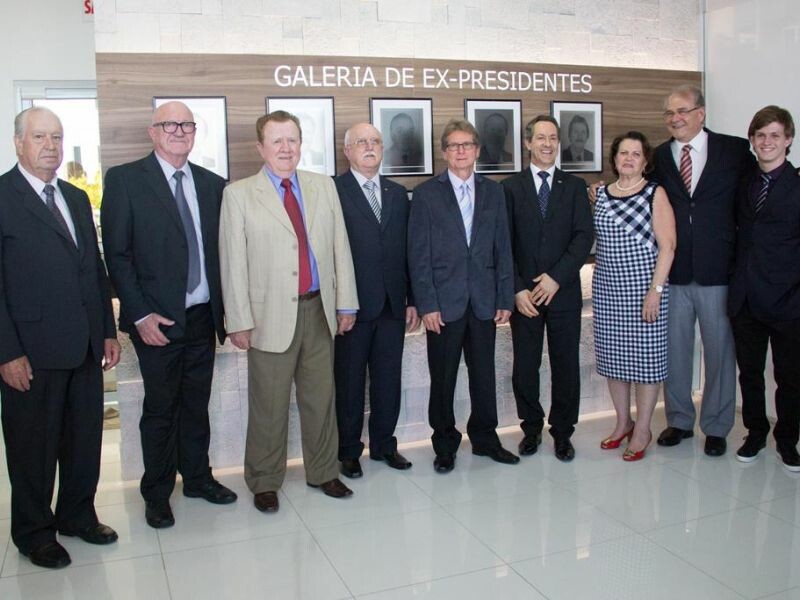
point(54, 301)
point(767, 272)
point(379, 249)
point(447, 275)
point(557, 244)
point(705, 222)
point(145, 245)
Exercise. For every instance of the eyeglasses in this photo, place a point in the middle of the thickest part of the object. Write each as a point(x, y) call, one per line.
point(681, 112)
point(172, 126)
point(455, 147)
point(364, 142)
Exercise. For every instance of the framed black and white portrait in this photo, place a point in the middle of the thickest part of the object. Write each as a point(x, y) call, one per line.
point(211, 137)
point(581, 136)
point(318, 151)
point(500, 131)
point(406, 126)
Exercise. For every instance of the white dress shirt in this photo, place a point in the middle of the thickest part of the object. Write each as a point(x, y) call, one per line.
point(362, 180)
point(698, 153)
point(538, 180)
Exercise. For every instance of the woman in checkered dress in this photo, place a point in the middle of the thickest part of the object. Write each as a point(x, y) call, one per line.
point(635, 230)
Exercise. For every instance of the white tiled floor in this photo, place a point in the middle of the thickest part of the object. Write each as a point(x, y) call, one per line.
point(676, 525)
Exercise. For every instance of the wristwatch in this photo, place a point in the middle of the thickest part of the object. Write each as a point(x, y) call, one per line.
point(658, 288)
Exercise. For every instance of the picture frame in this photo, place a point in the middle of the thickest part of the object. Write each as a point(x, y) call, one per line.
point(211, 137)
point(499, 125)
point(581, 136)
point(406, 125)
point(317, 121)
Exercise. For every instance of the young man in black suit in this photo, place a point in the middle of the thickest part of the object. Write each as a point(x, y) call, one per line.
point(375, 213)
point(551, 235)
point(460, 264)
point(56, 329)
point(764, 298)
point(160, 220)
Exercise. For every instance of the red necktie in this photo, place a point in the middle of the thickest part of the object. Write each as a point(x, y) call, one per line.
point(686, 168)
point(296, 217)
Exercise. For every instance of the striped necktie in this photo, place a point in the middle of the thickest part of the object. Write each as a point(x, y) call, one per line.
point(465, 205)
point(762, 193)
point(372, 197)
point(686, 167)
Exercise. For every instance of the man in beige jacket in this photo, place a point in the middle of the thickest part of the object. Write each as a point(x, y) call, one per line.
point(288, 287)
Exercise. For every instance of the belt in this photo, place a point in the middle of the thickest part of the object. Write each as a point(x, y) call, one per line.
point(309, 295)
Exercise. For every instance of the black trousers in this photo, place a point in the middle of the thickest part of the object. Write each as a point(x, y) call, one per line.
point(377, 344)
point(174, 424)
point(477, 339)
point(751, 337)
point(58, 421)
point(563, 341)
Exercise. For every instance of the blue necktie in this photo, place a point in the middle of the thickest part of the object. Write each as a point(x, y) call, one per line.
point(465, 205)
point(544, 192)
point(191, 234)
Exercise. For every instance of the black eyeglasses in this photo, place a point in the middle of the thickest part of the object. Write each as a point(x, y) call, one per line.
point(172, 126)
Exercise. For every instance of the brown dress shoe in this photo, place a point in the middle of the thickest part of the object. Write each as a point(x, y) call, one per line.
point(334, 488)
point(266, 501)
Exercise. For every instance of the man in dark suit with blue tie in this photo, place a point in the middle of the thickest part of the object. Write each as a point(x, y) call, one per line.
point(459, 260)
point(376, 216)
point(160, 220)
point(56, 329)
point(764, 295)
point(551, 235)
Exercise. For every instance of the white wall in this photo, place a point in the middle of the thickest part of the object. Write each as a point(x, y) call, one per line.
point(752, 59)
point(41, 40)
point(661, 34)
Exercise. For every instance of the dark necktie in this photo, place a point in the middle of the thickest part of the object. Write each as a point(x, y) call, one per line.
point(50, 200)
point(190, 232)
point(686, 167)
point(762, 193)
point(544, 192)
point(296, 217)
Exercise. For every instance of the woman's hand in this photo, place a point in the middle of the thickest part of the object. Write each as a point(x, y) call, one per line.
point(651, 306)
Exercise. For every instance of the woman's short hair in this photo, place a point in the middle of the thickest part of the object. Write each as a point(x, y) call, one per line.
point(646, 148)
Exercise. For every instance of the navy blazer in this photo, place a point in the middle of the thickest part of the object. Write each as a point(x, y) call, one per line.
point(447, 275)
point(705, 222)
point(379, 249)
point(145, 245)
point(767, 272)
point(558, 243)
point(54, 296)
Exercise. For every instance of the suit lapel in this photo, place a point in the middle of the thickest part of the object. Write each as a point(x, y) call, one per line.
point(267, 196)
point(714, 155)
point(359, 198)
point(33, 203)
point(154, 175)
point(75, 209)
point(480, 206)
point(780, 189)
point(451, 204)
point(387, 204)
point(311, 200)
point(205, 202)
point(671, 169)
point(556, 191)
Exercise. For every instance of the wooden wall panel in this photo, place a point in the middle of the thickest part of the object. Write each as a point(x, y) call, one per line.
point(632, 99)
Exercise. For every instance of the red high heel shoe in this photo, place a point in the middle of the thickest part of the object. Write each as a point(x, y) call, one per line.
point(632, 456)
point(612, 444)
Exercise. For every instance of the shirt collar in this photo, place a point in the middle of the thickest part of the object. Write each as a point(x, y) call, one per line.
point(277, 179)
point(698, 142)
point(169, 170)
point(535, 172)
point(456, 181)
point(362, 180)
point(36, 183)
point(776, 172)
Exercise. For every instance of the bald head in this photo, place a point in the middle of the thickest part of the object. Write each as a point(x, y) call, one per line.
point(363, 147)
point(173, 147)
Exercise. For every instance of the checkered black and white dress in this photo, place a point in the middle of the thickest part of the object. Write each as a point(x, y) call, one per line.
point(626, 347)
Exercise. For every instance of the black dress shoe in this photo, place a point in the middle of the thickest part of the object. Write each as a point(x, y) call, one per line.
point(715, 446)
point(444, 463)
point(50, 555)
point(753, 445)
point(789, 456)
point(334, 488)
point(212, 491)
point(565, 452)
point(530, 444)
point(351, 468)
point(394, 460)
point(672, 436)
point(498, 454)
point(159, 514)
point(96, 534)
point(266, 501)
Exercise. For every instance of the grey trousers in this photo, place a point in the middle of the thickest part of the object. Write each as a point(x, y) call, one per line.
point(309, 363)
point(708, 306)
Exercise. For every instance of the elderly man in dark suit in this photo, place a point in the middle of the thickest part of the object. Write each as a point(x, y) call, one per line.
point(460, 267)
point(376, 216)
point(764, 297)
point(551, 235)
point(160, 220)
point(700, 171)
point(56, 329)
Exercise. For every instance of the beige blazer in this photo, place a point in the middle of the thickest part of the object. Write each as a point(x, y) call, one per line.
point(259, 262)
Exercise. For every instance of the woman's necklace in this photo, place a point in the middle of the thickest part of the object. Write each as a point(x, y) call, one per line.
point(625, 189)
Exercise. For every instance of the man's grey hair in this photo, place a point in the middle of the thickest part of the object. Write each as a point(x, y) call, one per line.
point(21, 120)
point(687, 91)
